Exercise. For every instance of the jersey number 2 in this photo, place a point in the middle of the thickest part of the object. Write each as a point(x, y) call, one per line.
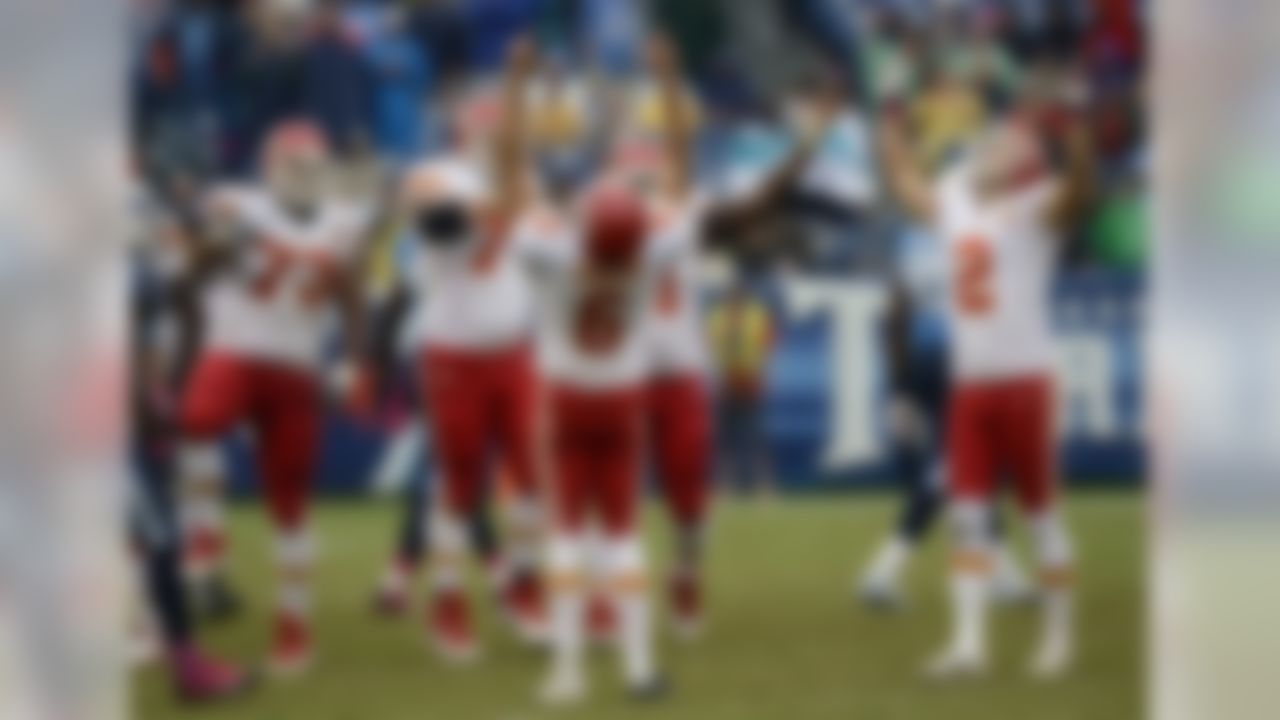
point(974, 265)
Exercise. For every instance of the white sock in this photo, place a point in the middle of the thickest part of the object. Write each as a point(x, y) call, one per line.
point(969, 604)
point(970, 578)
point(628, 584)
point(1006, 572)
point(294, 554)
point(524, 526)
point(395, 577)
point(888, 561)
point(1056, 556)
point(448, 550)
point(201, 512)
point(689, 543)
point(1058, 612)
point(565, 563)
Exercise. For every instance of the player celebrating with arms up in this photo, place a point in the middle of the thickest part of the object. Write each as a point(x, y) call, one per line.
point(598, 270)
point(278, 260)
point(477, 370)
point(679, 423)
point(999, 213)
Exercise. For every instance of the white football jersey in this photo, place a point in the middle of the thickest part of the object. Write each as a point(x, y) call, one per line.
point(476, 303)
point(676, 341)
point(1000, 258)
point(277, 303)
point(591, 329)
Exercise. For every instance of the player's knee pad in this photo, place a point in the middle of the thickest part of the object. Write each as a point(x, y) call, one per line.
point(625, 564)
point(524, 513)
point(971, 524)
point(1052, 541)
point(566, 558)
point(295, 548)
point(200, 463)
point(448, 533)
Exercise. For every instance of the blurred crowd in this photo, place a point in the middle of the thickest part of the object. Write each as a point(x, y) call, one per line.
point(385, 79)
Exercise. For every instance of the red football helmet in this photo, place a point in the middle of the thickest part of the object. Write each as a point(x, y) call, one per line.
point(294, 159)
point(617, 223)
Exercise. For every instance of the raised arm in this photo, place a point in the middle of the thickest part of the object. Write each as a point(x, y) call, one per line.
point(729, 214)
point(904, 177)
point(677, 123)
point(1079, 176)
point(511, 170)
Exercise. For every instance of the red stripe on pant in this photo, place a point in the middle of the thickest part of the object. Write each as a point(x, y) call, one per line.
point(479, 402)
point(280, 403)
point(679, 428)
point(1003, 426)
point(595, 443)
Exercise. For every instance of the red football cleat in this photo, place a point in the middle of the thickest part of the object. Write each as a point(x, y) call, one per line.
point(390, 602)
point(391, 598)
point(523, 603)
point(201, 679)
point(291, 650)
point(686, 606)
point(602, 621)
point(450, 621)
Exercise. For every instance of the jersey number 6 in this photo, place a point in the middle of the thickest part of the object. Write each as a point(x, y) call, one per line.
point(600, 320)
point(973, 292)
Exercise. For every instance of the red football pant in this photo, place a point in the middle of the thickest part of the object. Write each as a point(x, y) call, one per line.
point(477, 401)
point(594, 437)
point(1003, 426)
point(281, 404)
point(679, 429)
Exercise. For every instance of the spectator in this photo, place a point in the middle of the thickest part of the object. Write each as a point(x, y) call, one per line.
point(742, 339)
point(439, 28)
point(971, 52)
point(338, 80)
point(491, 24)
point(699, 30)
point(269, 79)
point(840, 188)
point(947, 112)
point(402, 77)
point(887, 62)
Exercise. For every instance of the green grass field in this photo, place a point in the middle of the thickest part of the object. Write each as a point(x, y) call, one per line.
point(785, 638)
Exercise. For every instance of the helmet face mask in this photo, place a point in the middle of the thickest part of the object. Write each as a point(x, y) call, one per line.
point(296, 164)
point(444, 224)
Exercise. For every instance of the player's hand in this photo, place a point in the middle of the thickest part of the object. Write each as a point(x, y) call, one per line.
point(1071, 89)
point(811, 121)
point(906, 420)
point(661, 56)
point(354, 384)
point(522, 56)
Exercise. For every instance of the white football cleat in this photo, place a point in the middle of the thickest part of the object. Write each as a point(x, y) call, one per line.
point(1012, 590)
point(687, 628)
point(880, 596)
point(956, 663)
point(562, 688)
point(1054, 657)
